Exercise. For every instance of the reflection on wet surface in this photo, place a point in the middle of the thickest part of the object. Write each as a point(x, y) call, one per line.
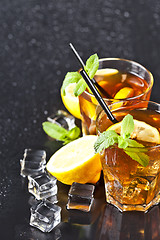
point(114, 225)
point(103, 222)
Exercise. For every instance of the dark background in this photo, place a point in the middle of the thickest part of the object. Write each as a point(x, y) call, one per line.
point(34, 58)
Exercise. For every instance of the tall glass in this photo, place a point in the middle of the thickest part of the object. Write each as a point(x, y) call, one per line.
point(129, 185)
point(120, 74)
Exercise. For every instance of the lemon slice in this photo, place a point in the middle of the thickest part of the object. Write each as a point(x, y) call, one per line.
point(125, 92)
point(106, 71)
point(76, 162)
point(142, 131)
point(90, 109)
point(70, 101)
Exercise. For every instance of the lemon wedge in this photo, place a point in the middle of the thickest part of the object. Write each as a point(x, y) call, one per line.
point(142, 131)
point(70, 101)
point(106, 71)
point(125, 92)
point(76, 162)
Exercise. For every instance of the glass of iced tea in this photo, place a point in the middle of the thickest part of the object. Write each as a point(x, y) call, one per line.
point(121, 79)
point(128, 184)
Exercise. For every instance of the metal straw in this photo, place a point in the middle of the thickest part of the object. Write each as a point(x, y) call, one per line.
point(93, 80)
point(98, 96)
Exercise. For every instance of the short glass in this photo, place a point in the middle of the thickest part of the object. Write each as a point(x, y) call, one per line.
point(120, 74)
point(129, 185)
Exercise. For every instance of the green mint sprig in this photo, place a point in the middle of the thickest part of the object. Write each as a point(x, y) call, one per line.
point(131, 147)
point(55, 131)
point(91, 68)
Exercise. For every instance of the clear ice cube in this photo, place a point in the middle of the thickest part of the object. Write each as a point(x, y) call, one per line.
point(32, 201)
point(80, 197)
point(52, 199)
point(31, 170)
point(33, 162)
point(35, 153)
point(62, 119)
point(42, 186)
point(45, 216)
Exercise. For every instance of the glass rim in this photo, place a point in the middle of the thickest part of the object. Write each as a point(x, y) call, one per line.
point(138, 100)
point(130, 98)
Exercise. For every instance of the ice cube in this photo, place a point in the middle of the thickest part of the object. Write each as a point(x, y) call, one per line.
point(33, 162)
point(32, 168)
point(62, 119)
point(30, 162)
point(52, 199)
point(42, 185)
point(35, 153)
point(45, 216)
point(32, 201)
point(136, 189)
point(80, 197)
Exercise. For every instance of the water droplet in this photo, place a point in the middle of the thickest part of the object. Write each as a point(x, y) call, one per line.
point(14, 84)
point(58, 72)
point(18, 23)
point(10, 36)
point(126, 14)
point(28, 28)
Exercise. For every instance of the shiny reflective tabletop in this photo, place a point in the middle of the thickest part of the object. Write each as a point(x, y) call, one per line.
point(34, 58)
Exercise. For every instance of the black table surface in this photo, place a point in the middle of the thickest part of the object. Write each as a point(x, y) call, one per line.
point(34, 58)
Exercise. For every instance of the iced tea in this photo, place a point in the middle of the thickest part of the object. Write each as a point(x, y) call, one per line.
point(121, 74)
point(129, 185)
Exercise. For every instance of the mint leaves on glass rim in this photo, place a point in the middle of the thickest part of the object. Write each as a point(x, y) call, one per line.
point(131, 147)
point(91, 67)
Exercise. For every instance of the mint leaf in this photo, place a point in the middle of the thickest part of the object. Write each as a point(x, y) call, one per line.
point(71, 77)
point(136, 151)
point(122, 143)
point(133, 143)
point(74, 133)
point(80, 87)
point(57, 132)
point(140, 157)
point(127, 126)
point(105, 139)
point(131, 147)
point(92, 65)
point(134, 146)
point(54, 131)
